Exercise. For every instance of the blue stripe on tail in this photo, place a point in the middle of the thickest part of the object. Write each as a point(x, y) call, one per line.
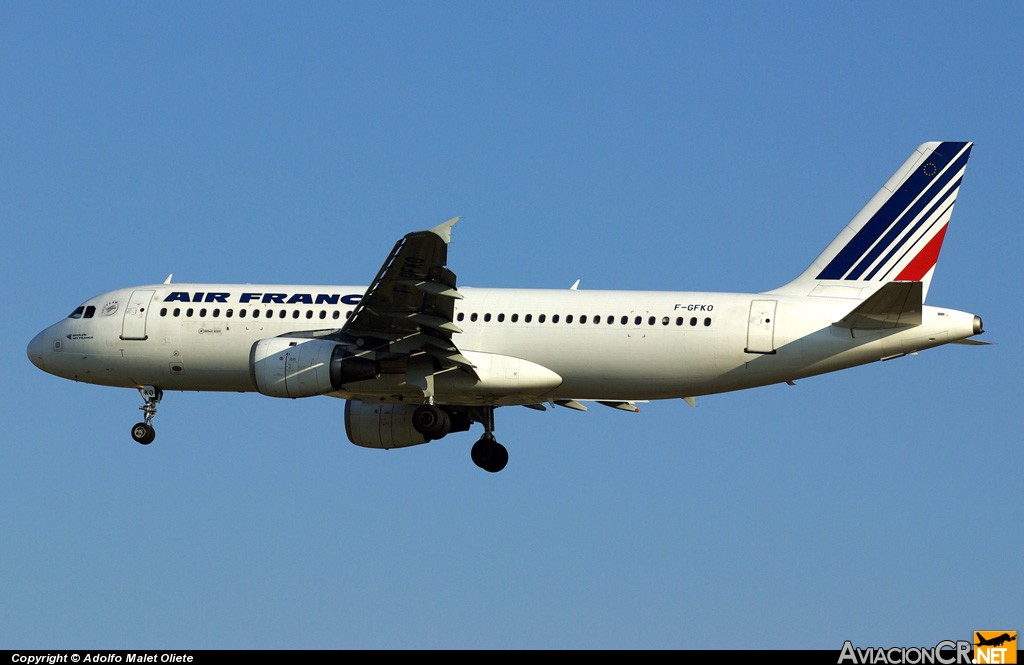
point(951, 192)
point(922, 179)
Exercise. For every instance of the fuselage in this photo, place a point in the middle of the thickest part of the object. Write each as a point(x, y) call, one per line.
point(603, 345)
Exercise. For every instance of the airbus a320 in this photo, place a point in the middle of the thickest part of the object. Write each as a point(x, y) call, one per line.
point(416, 357)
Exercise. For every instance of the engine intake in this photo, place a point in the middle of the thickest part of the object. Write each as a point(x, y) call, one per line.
point(296, 367)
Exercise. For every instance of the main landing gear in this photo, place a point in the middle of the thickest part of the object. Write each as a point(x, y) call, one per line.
point(487, 453)
point(433, 423)
point(143, 432)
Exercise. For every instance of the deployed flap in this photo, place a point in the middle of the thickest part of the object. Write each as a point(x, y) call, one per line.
point(895, 304)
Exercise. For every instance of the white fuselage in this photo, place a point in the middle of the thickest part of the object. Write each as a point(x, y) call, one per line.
point(605, 345)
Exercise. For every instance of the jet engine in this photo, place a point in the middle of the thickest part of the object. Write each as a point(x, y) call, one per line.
point(383, 425)
point(297, 367)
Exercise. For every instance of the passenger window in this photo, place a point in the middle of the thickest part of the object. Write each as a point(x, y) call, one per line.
point(309, 314)
point(528, 318)
point(679, 320)
point(597, 320)
point(255, 313)
point(638, 320)
point(241, 313)
point(540, 319)
point(568, 318)
point(202, 313)
point(515, 318)
point(295, 313)
point(554, 318)
point(624, 320)
point(707, 322)
point(693, 320)
point(335, 314)
point(77, 314)
point(501, 318)
point(487, 316)
point(650, 320)
point(189, 312)
point(216, 313)
point(163, 311)
point(664, 321)
point(348, 314)
point(177, 311)
point(227, 313)
point(472, 317)
point(461, 316)
point(323, 314)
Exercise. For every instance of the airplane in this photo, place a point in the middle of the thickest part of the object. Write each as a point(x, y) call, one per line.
point(997, 641)
point(416, 357)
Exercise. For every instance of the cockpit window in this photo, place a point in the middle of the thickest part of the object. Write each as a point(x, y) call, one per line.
point(77, 314)
point(89, 311)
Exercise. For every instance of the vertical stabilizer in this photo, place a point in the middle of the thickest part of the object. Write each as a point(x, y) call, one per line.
point(897, 236)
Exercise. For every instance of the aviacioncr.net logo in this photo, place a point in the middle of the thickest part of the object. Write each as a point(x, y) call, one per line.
point(946, 652)
point(995, 646)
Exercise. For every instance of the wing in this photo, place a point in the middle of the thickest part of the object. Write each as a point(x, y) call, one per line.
point(405, 316)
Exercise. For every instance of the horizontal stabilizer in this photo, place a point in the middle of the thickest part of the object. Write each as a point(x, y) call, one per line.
point(971, 342)
point(895, 304)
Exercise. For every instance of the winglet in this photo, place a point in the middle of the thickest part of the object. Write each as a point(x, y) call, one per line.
point(575, 286)
point(168, 280)
point(444, 230)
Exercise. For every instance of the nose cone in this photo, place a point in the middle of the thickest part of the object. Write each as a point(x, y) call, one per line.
point(37, 350)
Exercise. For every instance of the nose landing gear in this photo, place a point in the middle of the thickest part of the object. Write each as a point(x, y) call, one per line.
point(143, 432)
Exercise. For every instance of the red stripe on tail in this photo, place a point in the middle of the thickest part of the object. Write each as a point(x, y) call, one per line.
point(924, 261)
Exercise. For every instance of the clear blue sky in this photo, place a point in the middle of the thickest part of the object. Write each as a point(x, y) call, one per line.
point(679, 146)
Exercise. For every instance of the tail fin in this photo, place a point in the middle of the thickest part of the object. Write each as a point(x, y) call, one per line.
point(897, 236)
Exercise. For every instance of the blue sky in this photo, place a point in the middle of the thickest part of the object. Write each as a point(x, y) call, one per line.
point(678, 146)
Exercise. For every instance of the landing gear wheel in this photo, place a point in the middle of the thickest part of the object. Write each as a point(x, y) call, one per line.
point(143, 433)
point(431, 421)
point(489, 455)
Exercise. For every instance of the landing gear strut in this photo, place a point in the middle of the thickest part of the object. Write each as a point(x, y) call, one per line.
point(143, 432)
point(487, 453)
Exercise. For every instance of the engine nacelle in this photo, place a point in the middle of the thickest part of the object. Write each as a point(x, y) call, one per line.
point(380, 425)
point(297, 367)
